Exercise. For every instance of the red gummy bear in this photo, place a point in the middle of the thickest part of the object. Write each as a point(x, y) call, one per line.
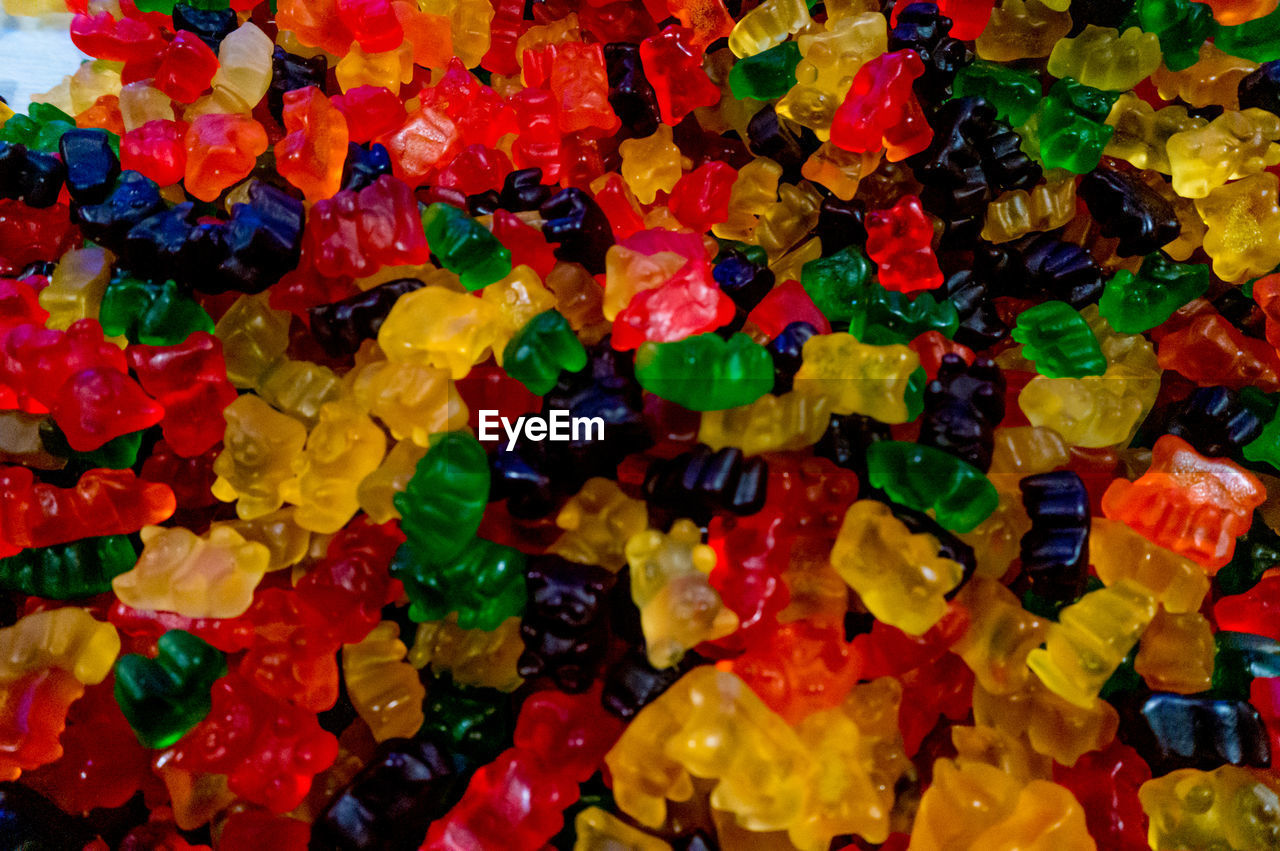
point(673, 64)
point(900, 241)
point(356, 232)
point(1185, 502)
point(190, 381)
point(186, 68)
point(881, 110)
point(269, 750)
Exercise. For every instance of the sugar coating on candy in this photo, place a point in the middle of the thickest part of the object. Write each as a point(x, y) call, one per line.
point(652, 424)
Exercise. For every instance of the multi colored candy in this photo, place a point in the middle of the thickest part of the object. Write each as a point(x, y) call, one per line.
point(650, 424)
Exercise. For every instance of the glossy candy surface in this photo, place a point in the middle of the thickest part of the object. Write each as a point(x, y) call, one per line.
point(476, 425)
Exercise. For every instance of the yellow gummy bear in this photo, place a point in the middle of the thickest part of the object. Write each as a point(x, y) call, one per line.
point(299, 388)
point(1023, 29)
point(1229, 808)
point(389, 69)
point(259, 446)
point(557, 32)
point(1235, 144)
point(1090, 639)
point(598, 830)
point(1176, 653)
point(1000, 635)
point(754, 192)
point(678, 607)
point(1243, 219)
point(651, 165)
point(1049, 724)
point(1024, 451)
point(988, 746)
point(768, 25)
point(1214, 78)
point(597, 522)
point(253, 338)
point(94, 79)
point(975, 807)
point(384, 689)
point(833, 773)
point(519, 297)
point(1105, 58)
point(831, 58)
point(1016, 213)
point(1142, 132)
point(769, 424)
point(1118, 553)
point(472, 657)
point(286, 541)
point(858, 378)
point(412, 399)
point(1098, 410)
point(996, 541)
point(142, 102)
point(341, 450)
point(790, 266)
point(784, 223)
point(76, 287)
point(377, 489)
point(858, 758)
point(68, 639)
point(213, 576)
point(244, 65)
point(839, 170)
point(450, 330)
point(898, 574)
point(470, 24)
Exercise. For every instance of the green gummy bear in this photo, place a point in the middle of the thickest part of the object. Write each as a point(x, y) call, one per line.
point(766, 76)
point(441, 508)
point(1265, 448)
point(164, 697)
point(484, 584)
point(705, 372)
point(476, 722)
point(154, 314)
point(1124, 680)
point(1256, 552)
point(540, 350)
point(1238, 658)
point(464, 246)
point(1014, 94)
point(835, 282)
point(118, 453)
point(1257, 40)
point(1181, 26)
point(1071, 126)
point(40, 129)
point(928, 479)
point(882, 317)
point(1132, 303)
point(1059, 340)
point(67, 571)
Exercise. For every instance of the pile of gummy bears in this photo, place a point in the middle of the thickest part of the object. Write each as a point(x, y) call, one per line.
point(913, 390)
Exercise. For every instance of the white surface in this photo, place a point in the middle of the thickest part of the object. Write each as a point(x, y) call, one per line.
point(35, 54)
